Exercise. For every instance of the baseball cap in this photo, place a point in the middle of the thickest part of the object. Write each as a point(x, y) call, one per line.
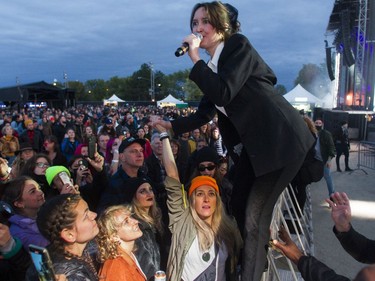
point(128, 141)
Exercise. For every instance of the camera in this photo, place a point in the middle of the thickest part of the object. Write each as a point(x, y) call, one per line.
point(6, 212)
point(83, 164)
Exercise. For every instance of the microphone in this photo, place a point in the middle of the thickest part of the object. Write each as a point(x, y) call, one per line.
point(185, 46)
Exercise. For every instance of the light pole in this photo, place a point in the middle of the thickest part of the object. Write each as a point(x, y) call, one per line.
point(151, 90)
point(152, 80)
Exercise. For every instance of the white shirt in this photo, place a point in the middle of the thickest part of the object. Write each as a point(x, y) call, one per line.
point(194, 264)
point(213, 65)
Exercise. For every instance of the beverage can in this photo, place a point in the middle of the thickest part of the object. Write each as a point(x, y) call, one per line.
point(160, 276)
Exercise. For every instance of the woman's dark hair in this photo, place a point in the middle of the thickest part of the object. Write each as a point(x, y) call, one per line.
point(13, 191)
point(55, 215)
point(28, 168)
point(53, 138)
point(223, 17)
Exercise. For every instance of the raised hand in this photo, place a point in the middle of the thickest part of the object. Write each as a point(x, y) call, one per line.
point(341, 212)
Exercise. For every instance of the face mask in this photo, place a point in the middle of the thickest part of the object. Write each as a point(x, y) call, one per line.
point(318, 127)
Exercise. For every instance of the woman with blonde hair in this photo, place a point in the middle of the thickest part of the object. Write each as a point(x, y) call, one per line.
point(205, 241)
point(151, 251)
point(8, 144)
point(117, 234)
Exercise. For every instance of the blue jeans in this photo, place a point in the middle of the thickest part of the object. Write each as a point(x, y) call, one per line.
point(328, 178)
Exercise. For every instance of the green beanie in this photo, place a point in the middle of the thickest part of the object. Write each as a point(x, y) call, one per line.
point(53, 171)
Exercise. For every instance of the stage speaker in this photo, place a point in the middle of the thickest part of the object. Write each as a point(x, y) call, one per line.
point(349, 59)
point(329, 62)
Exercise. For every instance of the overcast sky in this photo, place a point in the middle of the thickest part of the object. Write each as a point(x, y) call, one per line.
point(99, 39)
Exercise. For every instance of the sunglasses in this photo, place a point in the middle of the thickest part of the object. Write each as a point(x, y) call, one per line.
point(202, 168)
point(42, 165)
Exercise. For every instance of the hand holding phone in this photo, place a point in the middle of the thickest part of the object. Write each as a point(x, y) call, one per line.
point(42, 263)
point(92, 147)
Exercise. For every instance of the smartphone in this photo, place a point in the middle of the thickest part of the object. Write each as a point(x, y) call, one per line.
point(42, 263)
point(92, 147)
point(83, 164)
point(65, 178)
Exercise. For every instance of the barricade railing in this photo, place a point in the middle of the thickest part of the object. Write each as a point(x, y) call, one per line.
point(366, 155)
point(299, 228)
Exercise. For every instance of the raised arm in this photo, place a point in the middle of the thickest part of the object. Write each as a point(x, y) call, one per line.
point(167, 158)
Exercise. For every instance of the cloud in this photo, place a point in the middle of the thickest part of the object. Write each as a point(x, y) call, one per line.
point(100, 39)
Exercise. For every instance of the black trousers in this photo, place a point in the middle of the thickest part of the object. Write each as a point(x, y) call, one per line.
point(253, 200)
point(342, 149)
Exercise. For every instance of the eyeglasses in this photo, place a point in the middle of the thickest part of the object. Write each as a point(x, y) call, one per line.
point(42, 165)
point(202, 168)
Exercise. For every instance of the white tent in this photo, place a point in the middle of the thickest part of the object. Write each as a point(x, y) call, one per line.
point(114, 100)
point(169, 101)
point(300, 95)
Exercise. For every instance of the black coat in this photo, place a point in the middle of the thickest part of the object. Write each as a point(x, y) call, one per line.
point(270, 129)
point(357, 245)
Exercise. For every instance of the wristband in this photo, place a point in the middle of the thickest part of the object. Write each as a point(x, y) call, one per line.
point(163, 135)
point(114, 161)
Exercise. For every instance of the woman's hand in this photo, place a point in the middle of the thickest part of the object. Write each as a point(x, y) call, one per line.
point(97, 163)
point(3, 167)
point(194, 42)
point(69, 188)
point(160, 124)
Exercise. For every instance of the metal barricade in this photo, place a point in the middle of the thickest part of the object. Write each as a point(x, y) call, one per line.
point(279, 267)
point(366, 155)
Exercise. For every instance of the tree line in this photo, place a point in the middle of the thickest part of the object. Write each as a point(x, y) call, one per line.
point(136, 87)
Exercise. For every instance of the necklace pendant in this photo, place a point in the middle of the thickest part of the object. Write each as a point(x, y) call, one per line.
point(206, 256)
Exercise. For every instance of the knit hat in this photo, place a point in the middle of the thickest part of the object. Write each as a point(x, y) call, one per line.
point(131, 186)
point(53, 171)
point(207, 154)
point(203, 180)
point(28, 122)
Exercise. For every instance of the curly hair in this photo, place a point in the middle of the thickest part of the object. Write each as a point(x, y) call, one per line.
point(54, 216)
point(108, 228)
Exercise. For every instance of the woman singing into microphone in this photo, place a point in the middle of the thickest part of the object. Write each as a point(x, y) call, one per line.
point(264, 134)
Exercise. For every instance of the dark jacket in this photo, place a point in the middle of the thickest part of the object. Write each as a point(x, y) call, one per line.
point(314, 270)
point(357, 245)
point(13, 265)
point(327, 147)
point(148, 251)
point(36, 142)
point(114, 193)
point(270, 129)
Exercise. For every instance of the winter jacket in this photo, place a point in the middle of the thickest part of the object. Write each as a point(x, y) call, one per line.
point(27, 231)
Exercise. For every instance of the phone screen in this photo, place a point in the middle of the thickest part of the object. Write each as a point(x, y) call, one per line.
point(92, 147)
point(65, 178)
point(42, 263)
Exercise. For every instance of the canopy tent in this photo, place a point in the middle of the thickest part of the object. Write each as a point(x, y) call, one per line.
point(300, 95)
point(112, 101)
point(170, 101)
point(302, 99)
point(38, 92)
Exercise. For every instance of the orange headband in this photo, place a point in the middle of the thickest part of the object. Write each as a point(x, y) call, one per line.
point(203, 180)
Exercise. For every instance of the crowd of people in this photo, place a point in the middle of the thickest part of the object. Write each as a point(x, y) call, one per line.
point(120, 193)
